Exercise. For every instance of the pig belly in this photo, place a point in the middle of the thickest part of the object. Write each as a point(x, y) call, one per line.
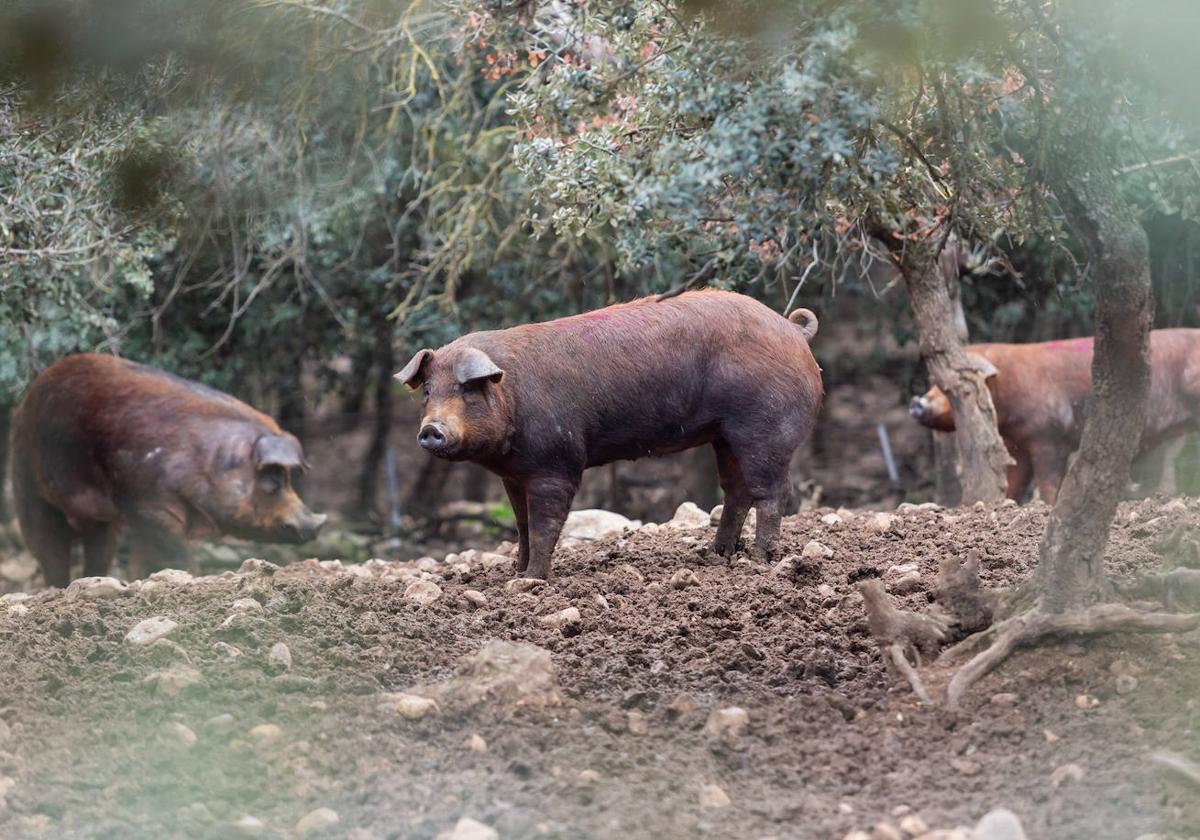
point(653, 447)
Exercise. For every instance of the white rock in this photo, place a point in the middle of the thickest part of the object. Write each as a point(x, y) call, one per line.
point(427, 564)
point(280, 657)
point(594, 524)
point(265, 732)
point(477, 744)
point(729, 723)
point(422, 592)
point(523, 584)
point(635, 722)
point(413, 707)
point(172, 577)
point(913, 825)
point(882, 523)
point(1066, 774)
point(910, 582)
point(689, 517)
point(227, 649)
point(899, 570)
point(712, 796)
point(469, 829)
point(832, 520)
point(683, 578)
point(95, 589)
point(150, 630)
point(318, 820)
point(175, 680)
point(814, 550)
point(246, 605)
point(1174, 506)
point(885, 831)
point(250, 825)
point(255, 565)
point(177, 735)
point(492, 560)
point(563, 620)
point(475, 598)
point(784, 567)
point(999, 824)
point(221, 724)
point(714, 516)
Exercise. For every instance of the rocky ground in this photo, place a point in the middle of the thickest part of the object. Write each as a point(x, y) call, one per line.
point(640, 694)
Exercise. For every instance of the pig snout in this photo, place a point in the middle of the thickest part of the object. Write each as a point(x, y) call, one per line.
point(919, 408)
point(306, 525)
point(432, 437)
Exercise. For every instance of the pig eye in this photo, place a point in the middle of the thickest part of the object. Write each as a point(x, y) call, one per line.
point(271, 482)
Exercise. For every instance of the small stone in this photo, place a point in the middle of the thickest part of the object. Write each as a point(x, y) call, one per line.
point(712, 796)
point(1086, 701)
point(683, 578)
point(1067, 773)
point(265, 732)
point(221, 724)
point(227, 649)
point(475, 598)
point(414, 707)
point(246, 605)
point(885, 831)
point(857, 835)
point(832, 520)
point(845, 808)
point(814, 550)
point(567, 621)
point(257, 566)
point(714, 516)
point(150, 630)
point(785, 567)
point(630, 571)
point(882, 523)
point(175, 680)
point(1174, 506)
point(1126, 683)
point(600, 601)
point(1004, 698)
point(422, 592)
point(1050, 737)
point(999, 824)
point(635, 722)
point(910, 582)
point(318, 820)
point(913, 825)
point(469, 829)
point(95, 589)
point(517, 585)
point(689, 517)
point(965, 766)
point(250, 825)
point(655, 588)
point(477, 744)
point(729, 723)
point(172, 577)
point(280, 657)
point(177, 735)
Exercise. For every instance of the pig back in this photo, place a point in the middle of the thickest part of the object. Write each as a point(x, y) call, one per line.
point(650, 376)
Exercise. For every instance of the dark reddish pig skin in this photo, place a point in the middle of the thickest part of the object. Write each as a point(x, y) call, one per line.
point(1041, 393)
point(101, 443)
point(540, 403)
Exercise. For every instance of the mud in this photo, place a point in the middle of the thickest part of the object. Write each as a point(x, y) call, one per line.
point(92, 748)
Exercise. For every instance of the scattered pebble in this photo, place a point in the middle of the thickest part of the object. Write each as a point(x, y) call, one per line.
point(566, 621)
point(250, 825)
point(246, 605)
point(683, 578)
point(475, 598)
point(688, 517)
point(729, 723)
point(857, 835)
point(221, 724)
point(318, 820)
point(832, 520)
point(150, 630)
point(265, 732)
point(523, 584)
point(588, 777)
point(1086, 701)
point(999, 824)
point(965, 766)
point(910, 582)
point(95, 589)
point(280, 657)
point(1067, 773)
point(227, 649)
point(173, 577)
point(913, 825)
point(174, 681)
point(414, 707)
point(177, 735)
point(814, 550)
point(885, 831)
point(1050, 737)
point(712, 796)
point(1004, 698)
point(600, 601)
point(469, 829)
point(882, 523)
point(257, 566)
point(1126, 683)
point(635, 722)
point(477, 744)
point(422, 592)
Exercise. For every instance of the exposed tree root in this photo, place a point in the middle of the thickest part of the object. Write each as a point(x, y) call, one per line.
point(1179, 768)
point(959, 591)
point(900, 634)
point(1178, 587)
point(1031, 626)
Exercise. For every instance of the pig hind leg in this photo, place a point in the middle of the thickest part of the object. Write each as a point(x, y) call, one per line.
point(736, 502)
point(99, 548)
point(48, 536)
point(154, 548)
point(764, 464)
point(1049, 469)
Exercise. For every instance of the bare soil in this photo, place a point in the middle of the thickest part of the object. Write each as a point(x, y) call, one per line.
point(834, 744)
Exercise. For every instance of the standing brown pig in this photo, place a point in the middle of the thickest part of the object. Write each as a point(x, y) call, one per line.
point(100, 443)
point(538, 404)
point(1041, 392)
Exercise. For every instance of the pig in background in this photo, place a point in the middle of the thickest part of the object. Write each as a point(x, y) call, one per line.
point(1041, 392)
point(538, 404)
point(102, 444)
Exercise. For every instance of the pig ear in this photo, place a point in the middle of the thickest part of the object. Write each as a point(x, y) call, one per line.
point(474, 365)
point(279, 451)
point(983, 365)
point(411, 374)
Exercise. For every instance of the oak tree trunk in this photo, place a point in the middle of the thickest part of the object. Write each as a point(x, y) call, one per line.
point(1070, 573)
point(5, 422)
point(385, 364)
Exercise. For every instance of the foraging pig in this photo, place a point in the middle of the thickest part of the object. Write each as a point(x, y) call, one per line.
point(1041, 392)
point(100, 443)
point(538, 404)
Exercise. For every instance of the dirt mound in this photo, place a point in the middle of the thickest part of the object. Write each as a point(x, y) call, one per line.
point(216, 730)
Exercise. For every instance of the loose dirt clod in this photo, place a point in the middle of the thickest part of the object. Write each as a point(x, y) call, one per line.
point(566, 621)
point(412, 706)
point(712, 796)
point(729, 723)
point(683, 578)
point(280, 657)
point(316, 821)
point(150, 630)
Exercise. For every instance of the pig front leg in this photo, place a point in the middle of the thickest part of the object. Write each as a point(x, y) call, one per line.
point(520, 506)
point(1049, 469)
point(549, 501)
point(158, 542)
